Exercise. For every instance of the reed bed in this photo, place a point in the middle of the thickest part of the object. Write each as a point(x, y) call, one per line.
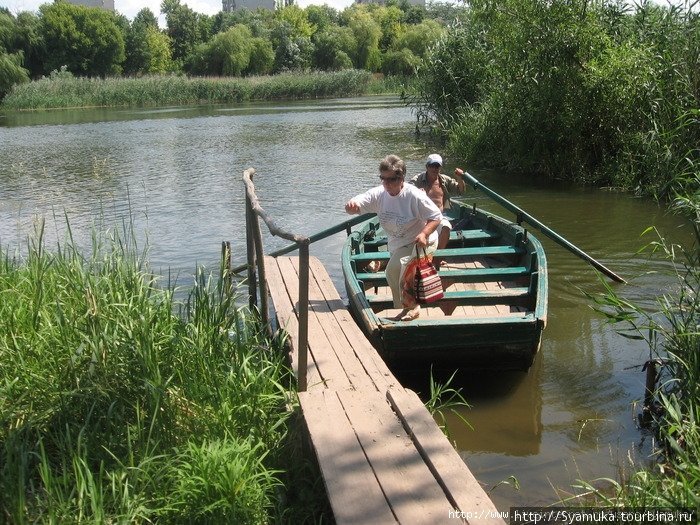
point(63, 90)
point(119, 404)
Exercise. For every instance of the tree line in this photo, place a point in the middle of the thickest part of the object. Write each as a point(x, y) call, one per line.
point(393, 39)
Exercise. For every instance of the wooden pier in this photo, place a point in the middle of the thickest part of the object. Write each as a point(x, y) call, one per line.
point(382, 456)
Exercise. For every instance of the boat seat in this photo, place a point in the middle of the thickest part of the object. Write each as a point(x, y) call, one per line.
point(455, 236)
point(477, 251)
point(466, 297)
point(468, 275)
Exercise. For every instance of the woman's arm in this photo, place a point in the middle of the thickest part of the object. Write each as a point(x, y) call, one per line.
point(422, 238)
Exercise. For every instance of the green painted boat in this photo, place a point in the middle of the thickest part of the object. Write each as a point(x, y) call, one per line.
point(494, 309)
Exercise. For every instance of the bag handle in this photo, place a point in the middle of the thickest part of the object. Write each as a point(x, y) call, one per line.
point(418, 255)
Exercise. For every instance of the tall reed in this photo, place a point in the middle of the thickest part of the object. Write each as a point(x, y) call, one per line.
point(119, 404)
point(62, 90)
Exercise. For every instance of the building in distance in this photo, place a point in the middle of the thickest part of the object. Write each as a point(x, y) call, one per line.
point(420, 3)
point(104, 4)
point(228, 6)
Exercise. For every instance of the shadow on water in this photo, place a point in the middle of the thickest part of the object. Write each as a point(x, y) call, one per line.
point(504, 412)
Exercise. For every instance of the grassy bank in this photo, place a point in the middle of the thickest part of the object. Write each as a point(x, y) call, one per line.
point(120, 405)
point(63, 90)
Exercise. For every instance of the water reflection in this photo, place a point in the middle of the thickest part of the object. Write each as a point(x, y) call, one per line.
point(505, 413)
point(176, 172)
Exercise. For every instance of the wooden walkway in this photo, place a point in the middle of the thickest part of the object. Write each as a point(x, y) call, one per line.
point(382, 456)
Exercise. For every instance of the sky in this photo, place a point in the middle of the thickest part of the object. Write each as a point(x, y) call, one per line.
point(129, 8)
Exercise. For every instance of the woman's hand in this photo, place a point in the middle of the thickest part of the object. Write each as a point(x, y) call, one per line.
point(352, 207)
point(421, 240)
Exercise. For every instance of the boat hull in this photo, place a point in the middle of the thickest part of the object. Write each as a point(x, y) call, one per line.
point(495, 303)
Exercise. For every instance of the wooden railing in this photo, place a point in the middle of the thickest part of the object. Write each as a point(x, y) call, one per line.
point(255, 265)
point(256, 260)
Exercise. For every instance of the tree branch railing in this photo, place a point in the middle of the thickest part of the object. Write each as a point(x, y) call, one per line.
point(256, 261)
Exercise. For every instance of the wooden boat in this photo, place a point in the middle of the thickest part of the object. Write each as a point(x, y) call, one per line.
point(495, 303)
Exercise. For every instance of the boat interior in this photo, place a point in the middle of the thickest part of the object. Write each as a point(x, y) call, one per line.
point(483, 275)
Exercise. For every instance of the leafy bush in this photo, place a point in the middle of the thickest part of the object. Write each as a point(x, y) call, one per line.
point(569, 89)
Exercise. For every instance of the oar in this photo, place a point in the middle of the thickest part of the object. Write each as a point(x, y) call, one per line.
point(522, 215)
point(345, 225)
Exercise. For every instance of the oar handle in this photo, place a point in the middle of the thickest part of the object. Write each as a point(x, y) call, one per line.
point(526, 217)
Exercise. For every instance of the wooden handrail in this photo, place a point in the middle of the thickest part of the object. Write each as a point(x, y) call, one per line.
point(343, 226)
point(256, 259)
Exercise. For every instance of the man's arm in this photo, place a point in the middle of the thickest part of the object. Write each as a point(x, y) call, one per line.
point(459, 177)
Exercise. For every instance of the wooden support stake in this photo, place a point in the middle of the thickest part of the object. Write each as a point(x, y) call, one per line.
point(262, 281)
point(226, 264)
point(303, 312)
point(250, 218)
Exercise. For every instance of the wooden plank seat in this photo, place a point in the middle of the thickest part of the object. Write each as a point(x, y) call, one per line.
point(447, 253)
point(509, 296)
point(466, 236)
point(467, 275)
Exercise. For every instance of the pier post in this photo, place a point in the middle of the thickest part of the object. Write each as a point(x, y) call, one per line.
point(303, 312)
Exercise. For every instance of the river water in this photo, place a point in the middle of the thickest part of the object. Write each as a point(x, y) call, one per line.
point(176, 173)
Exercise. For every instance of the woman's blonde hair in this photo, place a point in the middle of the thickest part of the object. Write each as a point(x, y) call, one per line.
point(394, 164)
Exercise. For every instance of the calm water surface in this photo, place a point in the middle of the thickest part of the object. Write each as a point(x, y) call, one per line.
point(176, 172)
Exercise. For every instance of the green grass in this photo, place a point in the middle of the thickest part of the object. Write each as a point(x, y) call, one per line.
point(120, 404)
point(62, 90)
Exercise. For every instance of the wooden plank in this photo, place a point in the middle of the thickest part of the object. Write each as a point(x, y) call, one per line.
point(287, 317)
point(449, 252)
point(460, 485)
point(351, 485)
point(321, 312)
point(330, 368)
point(472, 297)
point(374, 365)
point(466, 275)
point(459, 235)
point(410, 488)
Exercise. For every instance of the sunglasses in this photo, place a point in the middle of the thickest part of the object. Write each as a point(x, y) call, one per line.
point(434, 165)
point(390, 179)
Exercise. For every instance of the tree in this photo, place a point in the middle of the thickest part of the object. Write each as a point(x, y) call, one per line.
point(184, 27)
point(402, 62)
point(391, 20)
point(292, 51)
point(138, 54)
point(333, 48)
point(160, 58)
point(322, 16)
point(11, 71)
point(419, 38)
point(227, 54)
point(367, 34)
point(31, 42)
point(262, 57)
point(87, 40)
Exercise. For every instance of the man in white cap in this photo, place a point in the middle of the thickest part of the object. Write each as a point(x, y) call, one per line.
point(439, 188)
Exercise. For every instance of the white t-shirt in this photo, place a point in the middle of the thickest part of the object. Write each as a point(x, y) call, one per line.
point(402, 216)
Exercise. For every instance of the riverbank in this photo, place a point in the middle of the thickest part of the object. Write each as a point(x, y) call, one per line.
point(114, 408)
point(62, 90)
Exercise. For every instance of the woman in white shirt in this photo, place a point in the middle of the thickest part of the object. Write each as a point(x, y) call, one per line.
point(409, 218)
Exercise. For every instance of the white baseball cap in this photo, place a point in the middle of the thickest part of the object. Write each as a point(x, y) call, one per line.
point(434, 158)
